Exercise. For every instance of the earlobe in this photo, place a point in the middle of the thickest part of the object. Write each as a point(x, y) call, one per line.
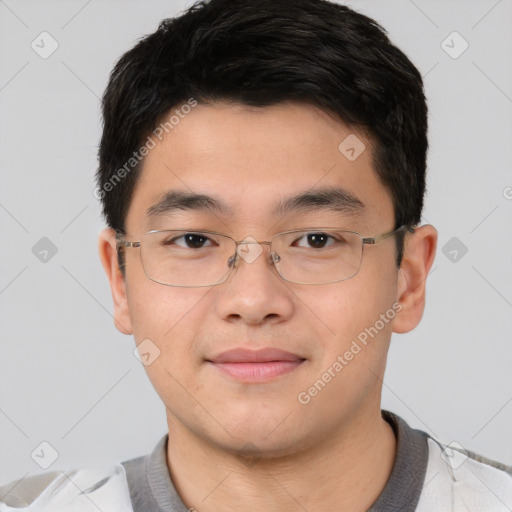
point(418, 256)
point(108, 255)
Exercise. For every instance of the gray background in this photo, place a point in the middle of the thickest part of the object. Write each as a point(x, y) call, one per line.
point(69, 378)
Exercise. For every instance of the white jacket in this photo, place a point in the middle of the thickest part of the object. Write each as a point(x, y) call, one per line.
point(436, 478)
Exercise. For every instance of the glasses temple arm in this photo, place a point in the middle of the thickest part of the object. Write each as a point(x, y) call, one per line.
point(376, 239)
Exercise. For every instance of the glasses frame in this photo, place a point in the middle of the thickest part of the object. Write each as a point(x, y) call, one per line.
point(272, 259)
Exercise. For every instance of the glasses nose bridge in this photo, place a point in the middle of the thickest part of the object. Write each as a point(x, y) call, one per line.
point(264, 242)
point(234, 259)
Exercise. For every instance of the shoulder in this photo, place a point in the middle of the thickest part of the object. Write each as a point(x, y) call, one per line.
point(460, 480)
point(82, 490)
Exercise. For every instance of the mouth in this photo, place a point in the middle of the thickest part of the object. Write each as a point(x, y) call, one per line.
point(256, 365)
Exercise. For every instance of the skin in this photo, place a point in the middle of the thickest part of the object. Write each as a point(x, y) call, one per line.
point(255, 445)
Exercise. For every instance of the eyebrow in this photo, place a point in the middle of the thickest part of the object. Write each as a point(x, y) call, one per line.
point(179, 200)
point(332, 198)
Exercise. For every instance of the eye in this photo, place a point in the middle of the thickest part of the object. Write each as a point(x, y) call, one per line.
point(314, 240)
point(190, 241)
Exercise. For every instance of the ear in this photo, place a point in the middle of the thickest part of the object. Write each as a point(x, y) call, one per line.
point(418, 256)
point(108, 255)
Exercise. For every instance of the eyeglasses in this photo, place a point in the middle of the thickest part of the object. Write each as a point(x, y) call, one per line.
point(190, 258)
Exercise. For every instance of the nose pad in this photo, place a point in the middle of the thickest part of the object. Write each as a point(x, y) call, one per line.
point(274, 258)
point(232, 260)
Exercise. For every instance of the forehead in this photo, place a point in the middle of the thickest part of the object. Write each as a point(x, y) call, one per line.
point(252, 158)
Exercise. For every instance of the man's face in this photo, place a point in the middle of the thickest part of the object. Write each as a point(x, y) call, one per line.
point(250, 160)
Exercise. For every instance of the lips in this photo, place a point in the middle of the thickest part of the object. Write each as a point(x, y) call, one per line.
point(264, 355)
point(256, 365)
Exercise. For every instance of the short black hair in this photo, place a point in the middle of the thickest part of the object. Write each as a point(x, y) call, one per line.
point(259, 53)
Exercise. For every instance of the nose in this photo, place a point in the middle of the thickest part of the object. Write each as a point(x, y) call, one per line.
point(254, 293)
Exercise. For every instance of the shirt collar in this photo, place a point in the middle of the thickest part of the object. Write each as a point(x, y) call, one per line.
point(152, 490)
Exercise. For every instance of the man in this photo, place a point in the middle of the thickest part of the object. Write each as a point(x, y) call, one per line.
point(262, 172)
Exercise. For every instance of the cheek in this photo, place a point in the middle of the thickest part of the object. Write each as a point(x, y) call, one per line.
point(155, 308)
point(169, 316)
point(359, 308)
point(374, 307)
point(166, 322)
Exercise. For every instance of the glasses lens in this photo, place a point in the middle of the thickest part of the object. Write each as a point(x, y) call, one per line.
point(186, 258)
point(318, 256)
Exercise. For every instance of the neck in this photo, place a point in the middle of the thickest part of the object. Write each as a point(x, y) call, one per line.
point(345, 471)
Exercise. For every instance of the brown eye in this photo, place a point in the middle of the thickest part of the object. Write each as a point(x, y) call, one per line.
point(190, 241)
point(317, 240)
point(314, 240)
